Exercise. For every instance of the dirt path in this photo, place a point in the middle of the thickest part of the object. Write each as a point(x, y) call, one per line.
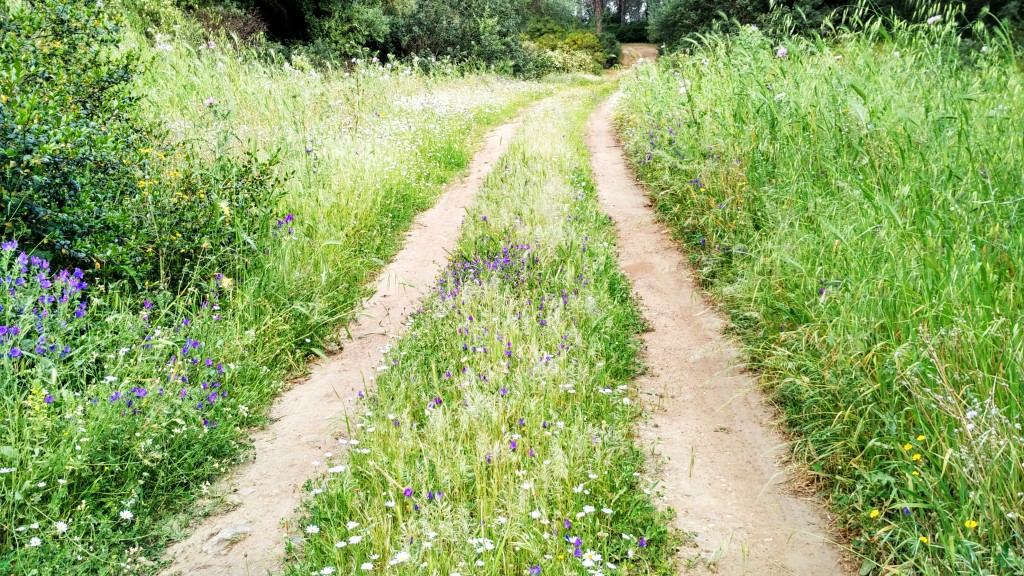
point(718, 454)
point(631, 53)
point(249, 538)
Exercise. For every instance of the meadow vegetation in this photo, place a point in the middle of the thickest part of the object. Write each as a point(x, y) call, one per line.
point(498, 436)
point(855, 205)
point(236, 206)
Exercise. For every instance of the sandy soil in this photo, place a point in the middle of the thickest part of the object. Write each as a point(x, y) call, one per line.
point(719, 456)
point(631, 53)
point(248, 539)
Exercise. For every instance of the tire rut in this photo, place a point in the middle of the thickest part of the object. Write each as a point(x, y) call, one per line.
point(249, 538)
point(709, 425)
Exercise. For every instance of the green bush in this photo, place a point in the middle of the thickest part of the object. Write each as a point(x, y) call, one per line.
point(678, 19)
point(79, 172)
point(630, 31)
point(346, 29)
point(611, 48)
point(69, 148)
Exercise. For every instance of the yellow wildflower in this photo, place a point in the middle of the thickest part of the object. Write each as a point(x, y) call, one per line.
point(875, 514)
point(915, 457)
point(907, 446)
point(971, 524)
point(920, 438)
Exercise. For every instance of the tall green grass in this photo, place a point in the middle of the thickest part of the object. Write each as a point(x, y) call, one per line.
point(105, 454)
point(856, 206)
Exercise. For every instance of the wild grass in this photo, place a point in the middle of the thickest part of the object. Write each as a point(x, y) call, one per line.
point(855, 204)
point(107, 450)
point(498, 436)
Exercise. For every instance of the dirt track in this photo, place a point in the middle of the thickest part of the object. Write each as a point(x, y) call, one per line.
point(267, 491)
point(718, 454)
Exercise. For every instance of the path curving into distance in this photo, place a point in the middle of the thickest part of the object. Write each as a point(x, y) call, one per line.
point(248, 539)
point(711, 431)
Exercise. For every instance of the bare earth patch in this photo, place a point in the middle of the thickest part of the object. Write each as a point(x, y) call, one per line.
point(632, 53)
point(249, 539)
point(709, 426)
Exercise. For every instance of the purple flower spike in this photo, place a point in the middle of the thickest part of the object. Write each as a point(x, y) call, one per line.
point(567, 524)
point(438, 401)
point(535, 570)
point(643, 542)
point(48, 399)
point(513, 445)
point(407, 492)
point(504, 391)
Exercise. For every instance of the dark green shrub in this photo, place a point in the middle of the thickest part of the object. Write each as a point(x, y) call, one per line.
point(612, 49)
point(678, 19)
point(545, 27)
point(629, 32)
point(83, 182)
point(345, 29)
point(69, 148)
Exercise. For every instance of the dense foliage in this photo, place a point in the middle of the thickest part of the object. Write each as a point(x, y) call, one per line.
point(79, 172)
point(855, 205)
point(488, 32)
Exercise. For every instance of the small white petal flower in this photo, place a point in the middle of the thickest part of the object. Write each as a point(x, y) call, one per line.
point(352, 525)
point(366, 566)
point(61, 527)
point(535, 514)
point(355, 539)
point(127, 515)
point(312, 529)
point(35, 541)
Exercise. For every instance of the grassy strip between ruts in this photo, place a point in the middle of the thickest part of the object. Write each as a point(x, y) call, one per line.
point(499, 438)
point(856, 205)
point(101, 446)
